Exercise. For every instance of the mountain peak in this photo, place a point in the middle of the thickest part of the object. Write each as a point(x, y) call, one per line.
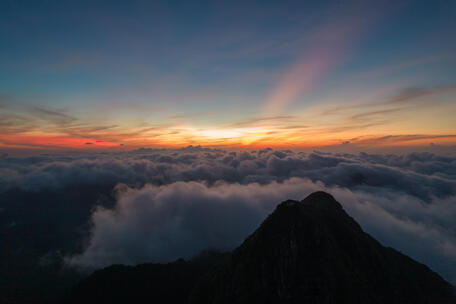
point(318, 211)
point(312, 251)
point(318, 197)
point(322, 200)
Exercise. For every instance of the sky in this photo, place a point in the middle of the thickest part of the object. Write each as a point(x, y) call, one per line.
point(120, 75)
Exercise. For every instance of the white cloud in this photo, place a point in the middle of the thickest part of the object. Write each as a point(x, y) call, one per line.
point(163, 223)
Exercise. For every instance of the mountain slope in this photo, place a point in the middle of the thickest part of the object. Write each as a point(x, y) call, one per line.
point(158, 283)
point(313, 252)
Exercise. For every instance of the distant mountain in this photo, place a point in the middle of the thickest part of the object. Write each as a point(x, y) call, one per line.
point(304, 252)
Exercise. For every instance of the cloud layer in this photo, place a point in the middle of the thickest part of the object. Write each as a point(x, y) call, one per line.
point(423, 175)
point(163, 223)
point(175, 203)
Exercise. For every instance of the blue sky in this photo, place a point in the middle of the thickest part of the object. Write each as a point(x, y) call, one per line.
point(142, 62)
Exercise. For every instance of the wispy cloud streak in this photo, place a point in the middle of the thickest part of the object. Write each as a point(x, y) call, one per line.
point(328, 47)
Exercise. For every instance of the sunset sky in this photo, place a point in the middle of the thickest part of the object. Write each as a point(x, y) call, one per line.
point(119, 75)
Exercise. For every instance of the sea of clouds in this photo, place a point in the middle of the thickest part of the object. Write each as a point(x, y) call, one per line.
point(176, 203)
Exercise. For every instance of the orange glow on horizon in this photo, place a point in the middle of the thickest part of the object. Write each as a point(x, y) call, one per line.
point(236, 139)
point(408, 120)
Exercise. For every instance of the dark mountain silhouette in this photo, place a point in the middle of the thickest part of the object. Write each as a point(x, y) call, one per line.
point(159, 283)
point(313, 252)
point(304, 252)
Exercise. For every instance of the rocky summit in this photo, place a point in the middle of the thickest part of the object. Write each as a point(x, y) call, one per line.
point(313, 252)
